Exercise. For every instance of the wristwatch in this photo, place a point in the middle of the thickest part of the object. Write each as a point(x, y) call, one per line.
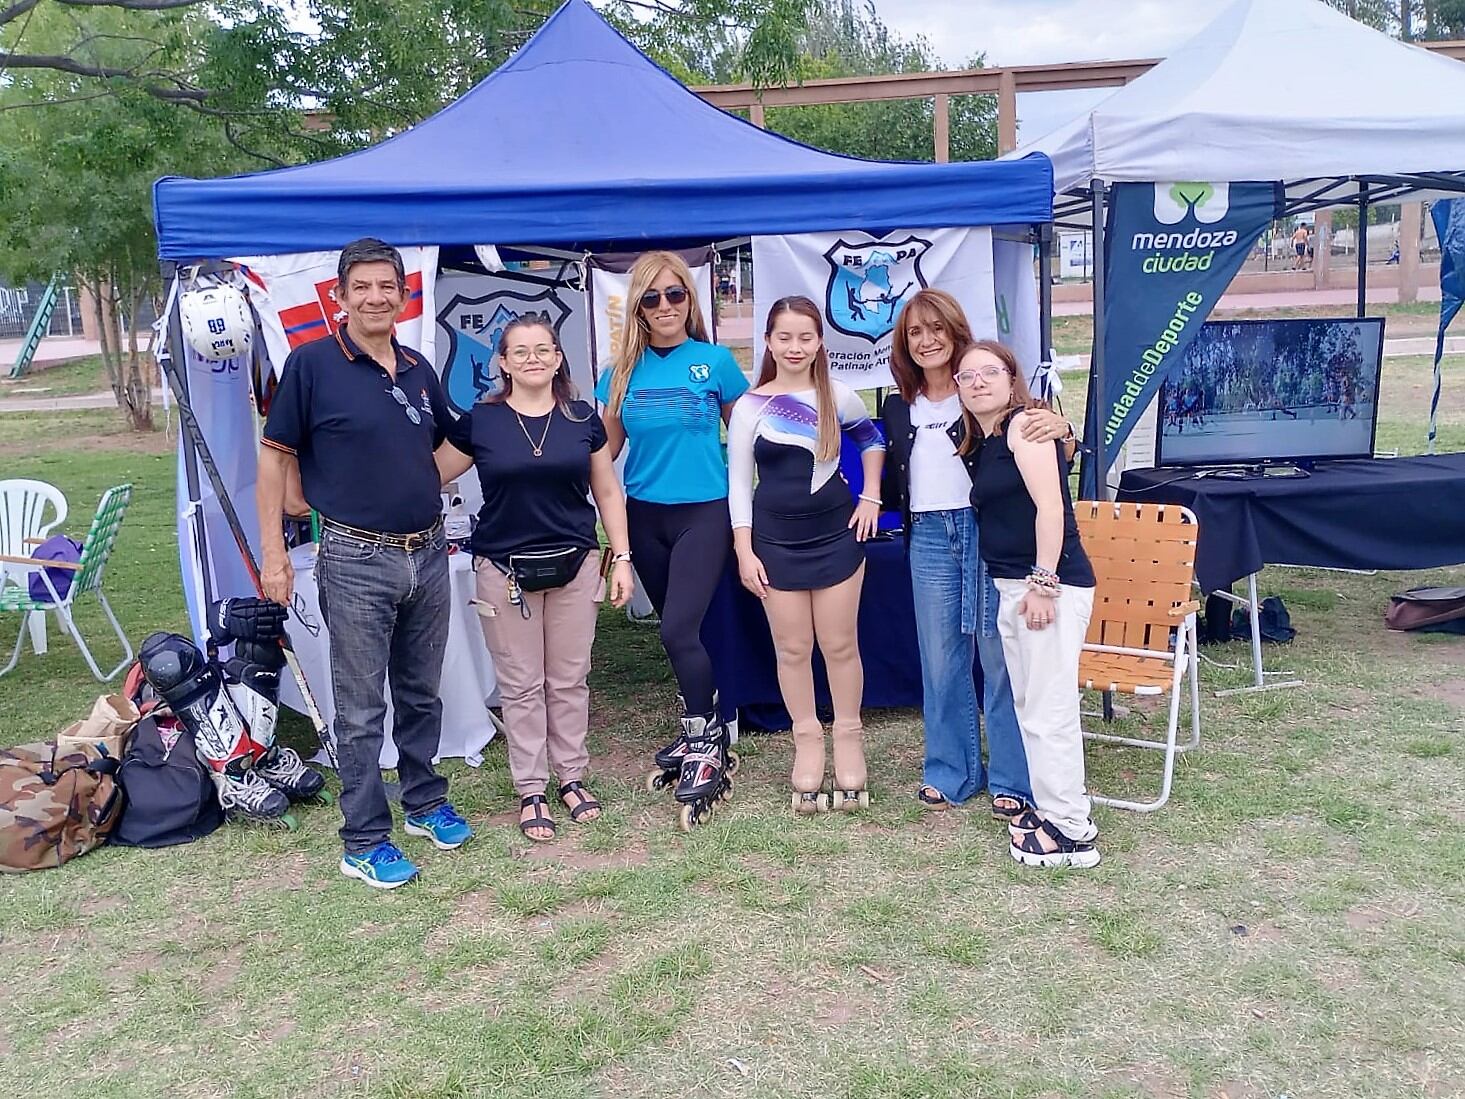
point(617, 558)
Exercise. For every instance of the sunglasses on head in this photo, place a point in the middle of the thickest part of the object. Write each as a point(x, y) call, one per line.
point(674, 294)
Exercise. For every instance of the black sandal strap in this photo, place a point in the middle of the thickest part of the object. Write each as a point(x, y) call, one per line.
point(926, 799)
point(538, 820)
point(586, 803)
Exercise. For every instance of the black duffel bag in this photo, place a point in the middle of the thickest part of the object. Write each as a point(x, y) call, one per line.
point(170, 797)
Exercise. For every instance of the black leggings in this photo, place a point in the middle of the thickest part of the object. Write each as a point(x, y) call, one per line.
point(680, 551)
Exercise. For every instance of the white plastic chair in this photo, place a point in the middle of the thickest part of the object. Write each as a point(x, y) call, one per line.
point(87, 577)
point(24, 525)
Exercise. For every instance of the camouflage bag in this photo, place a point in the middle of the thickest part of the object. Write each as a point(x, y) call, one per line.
point(54, 805)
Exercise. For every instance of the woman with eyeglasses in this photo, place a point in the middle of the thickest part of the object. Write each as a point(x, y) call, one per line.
point(538, 451)
point(798, 539)
point(929, 476)
point(666, 396)
point(1030, 543)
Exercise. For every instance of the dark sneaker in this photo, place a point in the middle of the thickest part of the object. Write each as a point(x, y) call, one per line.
point(442, 825)
point(383, 867)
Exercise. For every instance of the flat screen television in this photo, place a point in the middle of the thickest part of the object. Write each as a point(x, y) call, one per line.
point(1273, 391)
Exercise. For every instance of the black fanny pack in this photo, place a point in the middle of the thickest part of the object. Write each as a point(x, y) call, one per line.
point(540, 570)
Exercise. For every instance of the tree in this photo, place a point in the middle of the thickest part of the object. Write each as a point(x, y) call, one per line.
point(75, 184)
point(1411, 20)
point(848, 39)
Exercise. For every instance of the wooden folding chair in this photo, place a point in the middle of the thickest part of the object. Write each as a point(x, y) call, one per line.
point(1142, 637)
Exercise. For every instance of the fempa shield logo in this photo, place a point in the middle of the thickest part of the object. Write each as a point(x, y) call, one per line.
point(1208, 202)
point(474, 326)
point(870, 282)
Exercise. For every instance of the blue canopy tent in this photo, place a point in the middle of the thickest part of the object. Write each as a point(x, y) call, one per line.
point(580, 140)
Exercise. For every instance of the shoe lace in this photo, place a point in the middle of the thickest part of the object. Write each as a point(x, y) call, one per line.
point(445, 814)
point(384, 853)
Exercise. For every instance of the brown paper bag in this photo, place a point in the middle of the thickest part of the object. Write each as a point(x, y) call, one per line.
point(106, 730)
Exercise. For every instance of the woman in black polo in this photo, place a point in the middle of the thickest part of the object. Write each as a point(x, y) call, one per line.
point(538, 451)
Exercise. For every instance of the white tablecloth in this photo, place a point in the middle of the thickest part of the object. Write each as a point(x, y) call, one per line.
point(469, 686)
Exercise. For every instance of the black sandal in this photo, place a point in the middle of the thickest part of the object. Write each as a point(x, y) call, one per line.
point(586, 804)
point(1027, 848)
point(937, 802)
point(538, 820)
point(1007, 808)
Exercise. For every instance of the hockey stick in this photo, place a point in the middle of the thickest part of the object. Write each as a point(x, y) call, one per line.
point(171, 369)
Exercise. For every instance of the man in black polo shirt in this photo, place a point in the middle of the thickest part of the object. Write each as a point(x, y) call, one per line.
point(359, 416)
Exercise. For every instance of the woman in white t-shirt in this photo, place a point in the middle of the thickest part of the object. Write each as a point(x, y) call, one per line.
point(955, 600)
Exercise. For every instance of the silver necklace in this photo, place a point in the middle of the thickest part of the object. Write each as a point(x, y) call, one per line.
point(538, 450)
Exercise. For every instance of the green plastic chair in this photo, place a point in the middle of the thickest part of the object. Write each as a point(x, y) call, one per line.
point(95, 551)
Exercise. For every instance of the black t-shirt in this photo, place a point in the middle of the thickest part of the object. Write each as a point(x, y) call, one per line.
point(531, 503)
point(1006, 536)
point(365, 457)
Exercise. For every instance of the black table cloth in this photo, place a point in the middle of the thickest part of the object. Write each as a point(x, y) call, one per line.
point(1379, 513)
point(736, 634)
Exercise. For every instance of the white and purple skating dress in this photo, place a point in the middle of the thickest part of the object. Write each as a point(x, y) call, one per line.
point(800, 510)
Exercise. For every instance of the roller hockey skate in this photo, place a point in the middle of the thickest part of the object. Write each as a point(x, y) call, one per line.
point(194, 689)
point(808, 773)
point(848, 789)
point(669, 759)
point(253, 688)
point(705, 777)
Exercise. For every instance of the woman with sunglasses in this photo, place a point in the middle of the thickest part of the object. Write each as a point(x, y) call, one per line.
point(667, 395)
point(1030, 543)
point(929, 476)
point(538, 451)
point(798, 539)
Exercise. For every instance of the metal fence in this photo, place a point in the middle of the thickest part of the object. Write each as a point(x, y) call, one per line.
point(18, 305)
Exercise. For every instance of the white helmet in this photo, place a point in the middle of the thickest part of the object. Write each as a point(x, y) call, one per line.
point(216, 322)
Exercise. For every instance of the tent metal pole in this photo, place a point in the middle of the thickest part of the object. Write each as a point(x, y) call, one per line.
point(1362, 248)
point(190, 455)
point(1045, 302)
point(1096, 370)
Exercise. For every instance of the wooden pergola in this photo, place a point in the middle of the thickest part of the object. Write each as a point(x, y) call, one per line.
point(1004, 83)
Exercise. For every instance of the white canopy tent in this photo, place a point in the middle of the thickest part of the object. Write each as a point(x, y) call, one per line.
point(1271, 90)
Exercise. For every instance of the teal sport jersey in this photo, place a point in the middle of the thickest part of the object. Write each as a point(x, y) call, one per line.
point(673, 420)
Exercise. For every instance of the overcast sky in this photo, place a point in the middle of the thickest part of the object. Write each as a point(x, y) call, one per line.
point(1037, 32)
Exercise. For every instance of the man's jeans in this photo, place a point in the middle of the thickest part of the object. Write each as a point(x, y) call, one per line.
point(387, 612)
point(956, 621)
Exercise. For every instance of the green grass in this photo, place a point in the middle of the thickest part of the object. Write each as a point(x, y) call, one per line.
point(1288, 924)
point(86, 375)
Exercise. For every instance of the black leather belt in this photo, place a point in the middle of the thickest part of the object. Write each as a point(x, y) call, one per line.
point(415, 540)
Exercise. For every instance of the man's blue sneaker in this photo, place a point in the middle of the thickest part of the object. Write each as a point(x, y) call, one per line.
point(383, 867)
point(442, 825)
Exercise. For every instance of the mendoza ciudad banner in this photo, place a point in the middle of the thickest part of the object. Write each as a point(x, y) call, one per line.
point(1170, 252)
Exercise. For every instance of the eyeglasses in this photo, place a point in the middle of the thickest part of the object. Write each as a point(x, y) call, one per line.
point(986, 373)
point(674, 294)
point(401, 399)
point(520, 355)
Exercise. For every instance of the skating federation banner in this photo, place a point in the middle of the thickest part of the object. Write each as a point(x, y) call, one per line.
point(295, 297)
point(861, 282)
point(1170, 252)
point(472, 312)
point(1016, 300)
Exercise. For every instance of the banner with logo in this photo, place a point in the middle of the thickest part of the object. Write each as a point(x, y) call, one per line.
point(860, 283)
point(1170, 251)
point(1449, 225)
point(1018, 324)
point(472, 311)
point(610, 279)
point(295, 297)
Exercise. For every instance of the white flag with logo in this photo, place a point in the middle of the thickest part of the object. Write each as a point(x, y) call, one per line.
point(1018, 324)
point(861, 282)
point(295, 297)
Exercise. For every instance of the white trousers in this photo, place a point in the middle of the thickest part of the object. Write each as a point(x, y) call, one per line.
point(1043, 667)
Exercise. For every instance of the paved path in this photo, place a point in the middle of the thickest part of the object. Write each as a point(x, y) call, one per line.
point(66, 404)
point(54, 349)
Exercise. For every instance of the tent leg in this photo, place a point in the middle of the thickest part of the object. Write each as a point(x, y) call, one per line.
point(1362, 249)
point(1045, 297)
point(190, 455)
point(1096, 371)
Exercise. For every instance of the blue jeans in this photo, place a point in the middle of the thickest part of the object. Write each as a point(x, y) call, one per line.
point(387, 611)
point(956, 623)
